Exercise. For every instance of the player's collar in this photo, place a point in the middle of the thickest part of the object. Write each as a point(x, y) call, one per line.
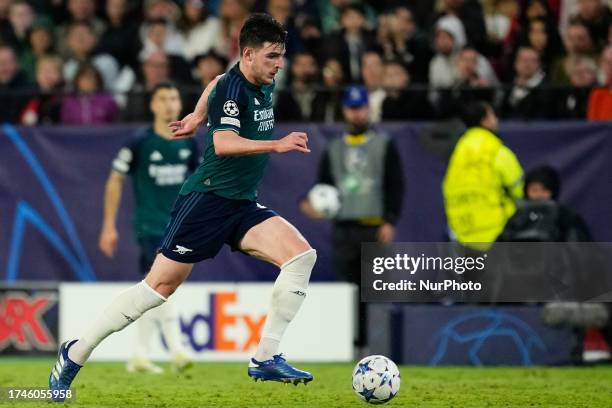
point(237, 70)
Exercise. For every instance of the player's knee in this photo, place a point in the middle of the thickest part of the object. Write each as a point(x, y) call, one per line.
point(303, 260)
point(163, 286)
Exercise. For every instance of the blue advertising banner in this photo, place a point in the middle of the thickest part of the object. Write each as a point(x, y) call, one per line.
point(472, 335)
point(52, 184)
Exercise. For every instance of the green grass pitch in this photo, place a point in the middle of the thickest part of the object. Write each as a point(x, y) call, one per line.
point(227, 385)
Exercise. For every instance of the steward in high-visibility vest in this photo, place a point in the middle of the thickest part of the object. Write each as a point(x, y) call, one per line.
point(482, 182)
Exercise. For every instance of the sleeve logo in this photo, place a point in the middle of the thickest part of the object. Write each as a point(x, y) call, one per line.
point(231, 108)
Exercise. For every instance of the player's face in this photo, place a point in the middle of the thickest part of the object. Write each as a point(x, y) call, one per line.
point(166, 104)
point(267, 61)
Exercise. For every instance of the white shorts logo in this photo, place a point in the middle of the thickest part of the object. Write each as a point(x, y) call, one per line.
point(231, 108)
point(182, 250)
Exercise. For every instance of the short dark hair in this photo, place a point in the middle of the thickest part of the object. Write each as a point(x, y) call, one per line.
point(545, 175)
point(474, 113)
point(162, 85)
point(84, 69)
point(261, 28)
point(353, 7)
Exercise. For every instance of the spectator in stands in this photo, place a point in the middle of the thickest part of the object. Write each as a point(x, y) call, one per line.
point(233, 14)
point(200, 30)
point(543, 37)
point(12, 80)
point(500, 16)
point(208, 66)
point(372, 72)
point(168, 11)
point(282, 11)
point(157, 39)
point(6, 31)
point(329, 108)
point(482, 182)
point(401, 41)
point(21, 17)
point(298, 102)
point(470, 13)
point(80, 11)
point(402, 103)
point(45, 106)
point(449, 40)
point(82, 42)
point(469, 84)
point(540, 217)
point(121, 39)
point(572, 102)
point(578, 43)
point(39, 42)
point(90, 104)
point(600, 100)
point(154, 70)
point(330, 13)
point(349, 44)
point(597, 17)
point(527, 99)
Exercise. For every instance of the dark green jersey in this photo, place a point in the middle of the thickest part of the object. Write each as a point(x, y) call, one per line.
point(158, 167)
point(235, 104)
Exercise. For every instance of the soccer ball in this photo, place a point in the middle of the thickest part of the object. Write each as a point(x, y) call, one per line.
point(376, 379)
point(325, 199)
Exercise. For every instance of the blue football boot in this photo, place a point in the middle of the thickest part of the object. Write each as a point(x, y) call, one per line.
point(277, 369)
point(64, 371)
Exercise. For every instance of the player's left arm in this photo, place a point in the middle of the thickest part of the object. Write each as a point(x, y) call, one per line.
point(230, 143)
point(188, 126)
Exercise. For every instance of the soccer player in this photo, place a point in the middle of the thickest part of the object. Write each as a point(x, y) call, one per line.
point(158, 166)
point(217, 205)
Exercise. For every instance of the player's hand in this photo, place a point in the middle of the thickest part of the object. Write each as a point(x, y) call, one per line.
point(293, 141)
point(385, 233)
point(108, 241)
point(182, 129)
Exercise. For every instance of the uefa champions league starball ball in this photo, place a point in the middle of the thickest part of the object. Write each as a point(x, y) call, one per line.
point(376, 379)
point(325, 199)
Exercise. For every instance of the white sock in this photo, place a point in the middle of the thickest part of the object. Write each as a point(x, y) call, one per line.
point(166, 316)
point(145, 329)
point(287, 297)
point(126, 308)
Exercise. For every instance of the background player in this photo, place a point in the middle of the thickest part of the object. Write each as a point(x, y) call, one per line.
point(158, 166)
point(217, 206)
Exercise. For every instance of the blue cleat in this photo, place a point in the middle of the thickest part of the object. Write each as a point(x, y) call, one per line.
point(277, 369)
point(63, 372)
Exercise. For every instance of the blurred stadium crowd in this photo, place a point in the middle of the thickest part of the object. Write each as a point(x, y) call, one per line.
point(86, 62)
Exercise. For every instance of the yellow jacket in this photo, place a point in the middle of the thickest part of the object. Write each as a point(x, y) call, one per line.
point(482, 182)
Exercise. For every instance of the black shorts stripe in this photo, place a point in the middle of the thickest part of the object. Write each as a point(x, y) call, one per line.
point(186, 207)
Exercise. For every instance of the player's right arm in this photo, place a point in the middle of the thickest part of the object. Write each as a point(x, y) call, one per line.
point(112, 198)
point(188, 126)
point(123, 165)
